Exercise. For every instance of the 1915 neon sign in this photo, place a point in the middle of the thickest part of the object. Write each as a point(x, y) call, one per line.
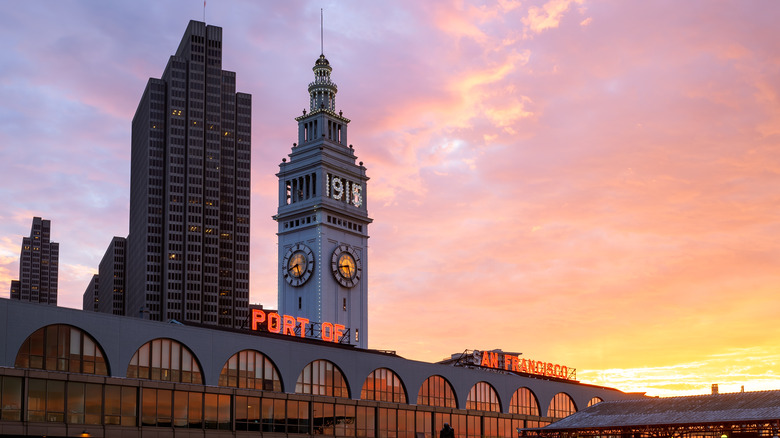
point(511, 362)
point(292, 326)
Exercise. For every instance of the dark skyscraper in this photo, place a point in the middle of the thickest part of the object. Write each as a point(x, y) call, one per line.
point(38, 266)
point(91, 297)
point(111, 286)
point(188, 246)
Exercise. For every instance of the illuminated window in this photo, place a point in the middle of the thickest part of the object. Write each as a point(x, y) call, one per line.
point(322, 377)
point(60, 347)
point(561, 406)
point(166, 360)
point(383, 385)
point(250, 369)
point(524, 402)
point(483, 397)
point(594, 400)
point(437, 391)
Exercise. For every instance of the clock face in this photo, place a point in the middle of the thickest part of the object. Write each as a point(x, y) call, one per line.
point(346, 265)
point(298, 264)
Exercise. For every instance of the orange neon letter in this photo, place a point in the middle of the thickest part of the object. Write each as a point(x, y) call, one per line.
point(303, 322)
point(565, 372)
point(524, 366)
point(485, 360)
point(258, 317)
point(515, 360)
point(557, 371)
point(338, 332)
point(289, 325)
point(327, 332)
point(493, 360)
point(273, 323)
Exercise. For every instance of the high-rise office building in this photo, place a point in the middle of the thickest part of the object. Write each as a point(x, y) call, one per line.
point(111, 289)
point(323, 220)
point(38, 266)
point(188, 246)
point(91, 295)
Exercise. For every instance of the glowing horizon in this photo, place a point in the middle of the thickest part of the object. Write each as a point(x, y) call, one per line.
point(590, 183)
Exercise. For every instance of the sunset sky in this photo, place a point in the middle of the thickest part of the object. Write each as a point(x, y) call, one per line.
point(590, 183)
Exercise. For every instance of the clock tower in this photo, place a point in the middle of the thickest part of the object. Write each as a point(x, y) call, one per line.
point(323, 221)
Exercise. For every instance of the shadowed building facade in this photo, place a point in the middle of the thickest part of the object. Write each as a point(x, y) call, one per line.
point(38, 266)
point(188, 245)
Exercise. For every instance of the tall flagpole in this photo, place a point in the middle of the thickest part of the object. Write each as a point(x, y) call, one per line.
point(204, 11)
point(322, 44)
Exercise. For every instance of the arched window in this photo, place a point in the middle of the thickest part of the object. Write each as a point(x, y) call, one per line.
point(250, 369)
point(561, 406)
point(524, 402)
point(594, 400)
point(322, 377)
point(60, 347)
point(167, 360)
point(483, 397)
point(437, 391)
point(383, 385)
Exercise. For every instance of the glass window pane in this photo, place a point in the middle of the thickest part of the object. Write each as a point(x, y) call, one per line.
point(129, 406)
point(36, 400)
point(164, 407)
point(211, 411)
point(11, 398)
point(180, 400)
point(149, 407)
point(75, 403)
point(93, 402)
point(195, 414)
point(55, 401)
point(112, 412)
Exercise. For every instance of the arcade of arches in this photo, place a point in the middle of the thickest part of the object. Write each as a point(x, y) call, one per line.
point(256, 402)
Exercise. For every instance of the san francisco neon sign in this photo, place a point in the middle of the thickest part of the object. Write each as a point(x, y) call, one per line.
point(511, 362)
point(294, 326)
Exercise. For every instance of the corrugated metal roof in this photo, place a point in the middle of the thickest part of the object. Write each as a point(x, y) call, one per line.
point(716, 408)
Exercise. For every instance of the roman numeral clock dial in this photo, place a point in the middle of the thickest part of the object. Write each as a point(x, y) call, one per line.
point(298, 264)
point(346, 265)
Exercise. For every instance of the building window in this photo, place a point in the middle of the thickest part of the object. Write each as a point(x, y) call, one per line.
point(594, 400)
point(250, 369)
point(337, 419)
point(561, 406)
point(10, 398)
point(46, 401)
point(437, 391)
point(524, 402)
point(166, 360)
point(60, 347)
point(483, 397)
point(120, 406)
point(383, 385)
point(85, 401)
point(322, 377)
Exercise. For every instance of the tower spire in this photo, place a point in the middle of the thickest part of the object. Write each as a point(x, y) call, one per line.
point(322, 33)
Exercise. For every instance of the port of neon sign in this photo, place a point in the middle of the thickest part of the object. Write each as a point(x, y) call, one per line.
point(286, 325)
point(510, 362)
